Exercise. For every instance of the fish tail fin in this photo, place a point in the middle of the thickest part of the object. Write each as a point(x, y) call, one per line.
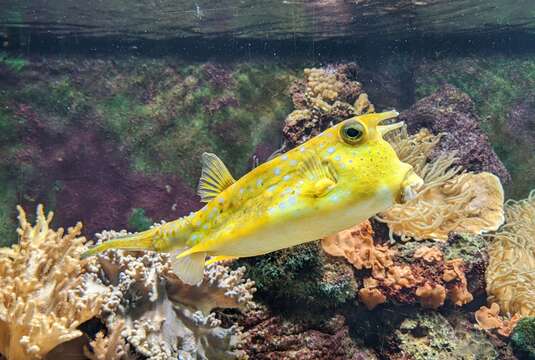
point(139, 241)
point(189, 267)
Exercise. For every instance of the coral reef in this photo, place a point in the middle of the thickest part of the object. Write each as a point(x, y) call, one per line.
point(511, 271)
point(523, 338)
point(326, 96)
point(452, 112)
point(164, 317)
point(46, 291)
point(394, 274)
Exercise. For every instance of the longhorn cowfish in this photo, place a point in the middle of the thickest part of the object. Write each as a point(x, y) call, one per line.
point(333, 181)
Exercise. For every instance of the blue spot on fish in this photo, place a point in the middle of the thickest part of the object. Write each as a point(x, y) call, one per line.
point(259, 182)
point(293, 162)
point(330, 150)
point(272, 188)
point(282, 205)
point(221, 200)
point(277, 171)
point(337, 158)
point(194, 237)
point(292, 200)
point(284, 157)
point(287, 177)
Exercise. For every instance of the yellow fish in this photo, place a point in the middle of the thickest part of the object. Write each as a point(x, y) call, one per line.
point(335, 180)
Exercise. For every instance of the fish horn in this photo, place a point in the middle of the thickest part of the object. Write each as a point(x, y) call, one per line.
point(385, 129)
point(374, 119)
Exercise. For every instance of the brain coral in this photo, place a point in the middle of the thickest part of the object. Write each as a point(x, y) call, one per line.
point(511, 271)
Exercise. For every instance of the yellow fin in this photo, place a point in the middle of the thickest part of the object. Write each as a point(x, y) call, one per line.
point(319, 176)
point(215, 177)
point(189, 269)
point(215, 259)
point(138, 241)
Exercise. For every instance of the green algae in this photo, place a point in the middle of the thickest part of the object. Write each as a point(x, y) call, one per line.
point(168, 133)
point(8, 201)
point(523, 338)
point(138, 221)
point(13, 63)
point(299, 279)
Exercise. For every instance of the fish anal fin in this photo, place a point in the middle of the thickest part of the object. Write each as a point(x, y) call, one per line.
point(215, 177)
point(190, 268)
point(216, 259)
point(319, 176)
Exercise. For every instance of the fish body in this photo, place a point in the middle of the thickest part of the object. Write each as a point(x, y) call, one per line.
point(335, 180)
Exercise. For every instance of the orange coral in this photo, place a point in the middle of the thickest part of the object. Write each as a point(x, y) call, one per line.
point(429, 254)
point(401, 277)
point(370, 295)
point(458, 293)
point(489, 319)
point(431, 296)
point(356, 245)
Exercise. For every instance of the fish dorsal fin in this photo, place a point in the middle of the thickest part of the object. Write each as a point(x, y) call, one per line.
point(215, 177)
point(319, 176)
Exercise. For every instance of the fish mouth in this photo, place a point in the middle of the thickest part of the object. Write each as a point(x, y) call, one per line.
point(410, 186)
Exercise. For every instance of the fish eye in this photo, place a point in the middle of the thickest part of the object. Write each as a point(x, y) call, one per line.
point(352, 132)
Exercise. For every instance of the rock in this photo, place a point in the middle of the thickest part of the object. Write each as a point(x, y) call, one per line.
point(267, 336)
point(452, 112)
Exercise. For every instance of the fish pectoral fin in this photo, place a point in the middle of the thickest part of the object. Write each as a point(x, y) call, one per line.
point(189, 268)
point(319, 176)
point(215, 259)
point(215, 177)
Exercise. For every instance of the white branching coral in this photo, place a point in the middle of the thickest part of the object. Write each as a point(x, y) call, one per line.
point(449, 200)
point(165, 318)
point(511, 272)
point(45, 290)
point(111, 347)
